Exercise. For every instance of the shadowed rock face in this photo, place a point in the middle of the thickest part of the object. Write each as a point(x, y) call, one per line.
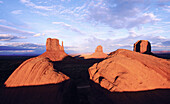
point(54, 51)
point(125, 70)
point(98, 53)
point(35, 71)
point(142, 46)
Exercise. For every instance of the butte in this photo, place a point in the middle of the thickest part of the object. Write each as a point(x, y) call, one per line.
point(98, 53)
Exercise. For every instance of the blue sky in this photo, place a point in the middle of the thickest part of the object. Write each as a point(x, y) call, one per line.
point(83, 24)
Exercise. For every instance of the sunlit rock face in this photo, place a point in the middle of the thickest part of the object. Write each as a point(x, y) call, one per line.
point(126, 70)
point(35, 71)
point(98, 53)
point(142, 46)
point(54, 51)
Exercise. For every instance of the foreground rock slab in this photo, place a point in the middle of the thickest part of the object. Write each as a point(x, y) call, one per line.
point(35, 71)
point(126, 70)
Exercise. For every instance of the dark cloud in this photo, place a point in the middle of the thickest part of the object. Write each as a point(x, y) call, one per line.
point(5, 48)
point(166, 43)
point(22, 48)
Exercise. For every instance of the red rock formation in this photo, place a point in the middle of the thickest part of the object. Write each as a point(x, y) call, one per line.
point(125, 70)
point(142, 46)
point(98, 53)
point(54, 51)
point(35, 71)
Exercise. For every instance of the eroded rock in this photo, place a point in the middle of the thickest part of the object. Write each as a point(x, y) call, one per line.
point(35, 71)
point(125, 70)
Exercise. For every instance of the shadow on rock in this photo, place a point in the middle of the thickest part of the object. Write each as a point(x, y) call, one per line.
point(104, 96)
point(62, 93)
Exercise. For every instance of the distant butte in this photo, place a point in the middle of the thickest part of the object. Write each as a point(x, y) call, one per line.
point(142, 46)
point(98, 53)
point(54, 51)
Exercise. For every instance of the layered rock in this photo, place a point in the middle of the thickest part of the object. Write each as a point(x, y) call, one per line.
point(125, 70)
point(142, 46)
point(35, 71)
point(54, 51)
point(98, 53)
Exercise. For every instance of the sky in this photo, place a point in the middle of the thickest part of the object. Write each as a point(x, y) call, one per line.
point(82, 25)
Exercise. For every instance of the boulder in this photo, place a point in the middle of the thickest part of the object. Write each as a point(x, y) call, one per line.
point(126, 70)
point(35, 71)
point(54, 51)
point(142, 46)
point(98, 53)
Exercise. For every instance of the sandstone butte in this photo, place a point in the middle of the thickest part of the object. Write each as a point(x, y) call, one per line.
point(142, 46)
point(126, 70)
point(98, 53)
point(35, 71)
point(54, 51)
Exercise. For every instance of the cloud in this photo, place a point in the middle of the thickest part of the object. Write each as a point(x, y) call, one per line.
point(36, 35)
point(66, 0)
point(67, 26)
point(70, 49)
point(166, 8)
point(163, 1)
point(7, 37)
point(6, 48)
point(16, 51)
point(166, 43)
point(17, 12)
point(40, 13)
point(39, 34)
point(21, 48)
point(121, 13)
point(7, 30)
point(2, 21)
point(8, 23)
point(31, 4)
